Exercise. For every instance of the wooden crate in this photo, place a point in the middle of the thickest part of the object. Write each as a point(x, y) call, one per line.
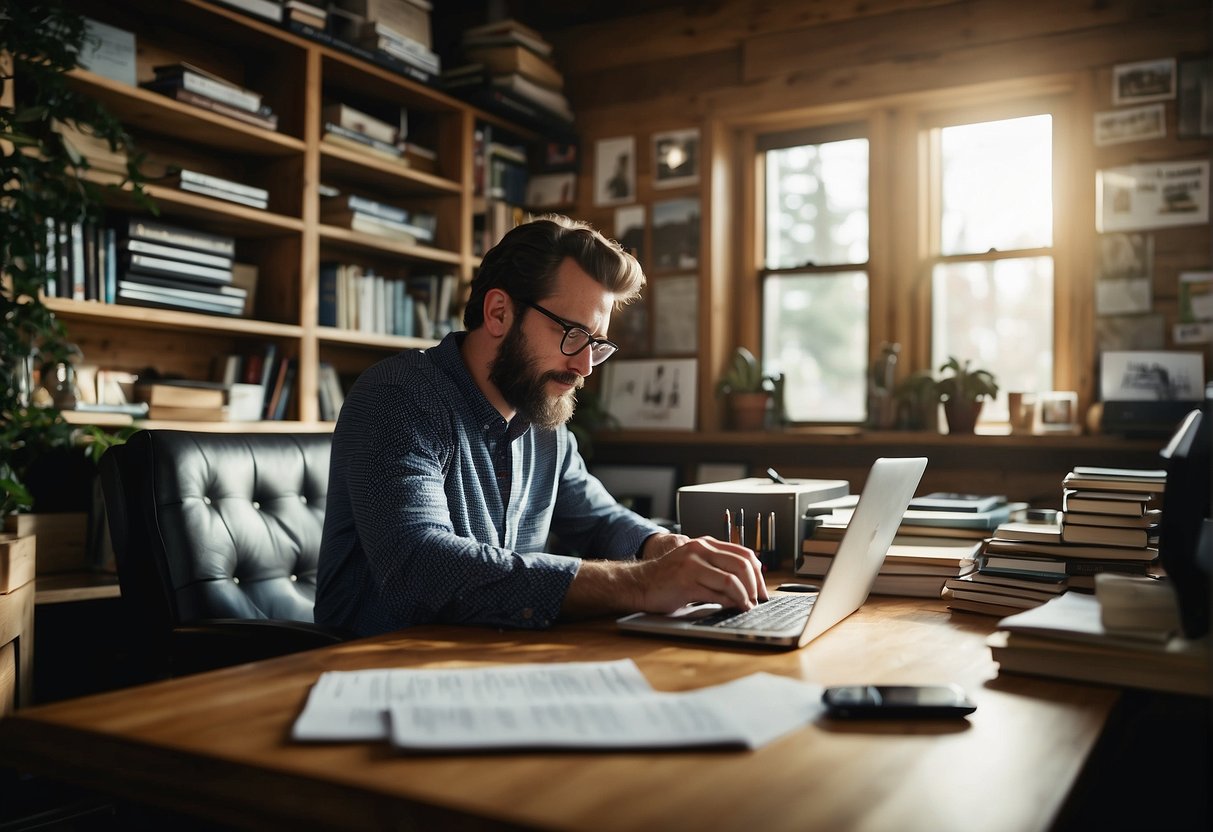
point(16, 561)
point(62, 539)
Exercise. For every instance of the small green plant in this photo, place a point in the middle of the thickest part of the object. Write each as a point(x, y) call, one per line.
point(744, 375)
point(965, 384)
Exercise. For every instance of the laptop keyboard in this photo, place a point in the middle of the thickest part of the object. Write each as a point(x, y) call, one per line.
point(778, 613)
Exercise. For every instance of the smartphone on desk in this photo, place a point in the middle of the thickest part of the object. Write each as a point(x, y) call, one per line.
point(896, 702)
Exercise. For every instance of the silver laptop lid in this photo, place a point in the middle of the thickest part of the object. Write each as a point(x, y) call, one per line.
point(890, 486)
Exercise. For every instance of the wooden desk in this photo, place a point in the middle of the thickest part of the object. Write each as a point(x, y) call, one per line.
point(217, 745)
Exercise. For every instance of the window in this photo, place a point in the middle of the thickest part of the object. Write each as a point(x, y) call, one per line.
point(992, 267)
point(912, 224)
point(815, 304)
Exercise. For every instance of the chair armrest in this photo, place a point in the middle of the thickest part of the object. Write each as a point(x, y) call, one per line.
point(207, 644)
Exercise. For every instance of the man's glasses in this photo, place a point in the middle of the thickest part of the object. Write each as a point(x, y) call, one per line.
point(577, 339)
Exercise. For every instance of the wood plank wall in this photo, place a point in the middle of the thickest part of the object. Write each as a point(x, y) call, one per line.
point(704, 64)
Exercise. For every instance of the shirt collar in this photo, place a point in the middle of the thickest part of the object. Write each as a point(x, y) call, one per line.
point(448, 357)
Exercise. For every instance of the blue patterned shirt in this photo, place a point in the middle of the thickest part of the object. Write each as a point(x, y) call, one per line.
point(438, 510)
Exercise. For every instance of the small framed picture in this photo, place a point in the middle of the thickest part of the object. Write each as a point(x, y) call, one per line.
point(1133, 124)
point(675, 158)
point(676, 234)
point(653, 394)
point(1143, 81)
point(1195, 104)
point(1056, 411)
point(615, 171)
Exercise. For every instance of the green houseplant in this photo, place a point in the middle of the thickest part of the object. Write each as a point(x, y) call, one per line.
point(963, 392)
point(748, 393)
point(43, 179)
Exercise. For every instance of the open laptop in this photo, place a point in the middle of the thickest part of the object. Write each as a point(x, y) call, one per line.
point(799, 618)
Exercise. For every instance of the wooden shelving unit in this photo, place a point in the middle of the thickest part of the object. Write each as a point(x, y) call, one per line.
point(287, 242)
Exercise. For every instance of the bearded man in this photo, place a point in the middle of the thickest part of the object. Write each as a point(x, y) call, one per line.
point(452, 467)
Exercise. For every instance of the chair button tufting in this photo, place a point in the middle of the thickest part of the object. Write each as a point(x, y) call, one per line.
point(256, 504)
point(302, 498)
point(206, 501)
point(235, 580)
point(294, 578)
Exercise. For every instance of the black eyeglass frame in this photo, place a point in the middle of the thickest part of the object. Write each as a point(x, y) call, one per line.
point(591, 342)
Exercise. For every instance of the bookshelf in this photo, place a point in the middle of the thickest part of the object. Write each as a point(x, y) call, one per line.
point(288, 241)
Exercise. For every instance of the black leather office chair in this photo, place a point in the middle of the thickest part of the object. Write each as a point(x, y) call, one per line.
point(217, 538)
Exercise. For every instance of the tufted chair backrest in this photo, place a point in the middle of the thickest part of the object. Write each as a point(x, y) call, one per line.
point(216, 526)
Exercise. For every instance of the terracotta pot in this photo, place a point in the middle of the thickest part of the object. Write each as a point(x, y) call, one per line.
point(748, 411)
point(961, 416)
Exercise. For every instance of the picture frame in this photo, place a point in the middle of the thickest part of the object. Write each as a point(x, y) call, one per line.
point(1156, 195)
point(675, 233)
point(629, 230)
point(676, 158)
point(1194, 108)
point(1132, 124)
point(652, 393)
point(1055, 411)
point(647, 490)
point(675, 314)
point(615, 170)
point(1160, 375)
point(1143, 81)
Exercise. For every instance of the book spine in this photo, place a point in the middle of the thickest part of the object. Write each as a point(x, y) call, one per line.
point(133, 284)
point(209, 181)
point(327, 307)
point(361, 138)
point(173, 253)
point(220, 193)
point(183, 237)
point(159, 265)
point(135, 297)
point(220, 92)
point(261, 118)
point(368, 206)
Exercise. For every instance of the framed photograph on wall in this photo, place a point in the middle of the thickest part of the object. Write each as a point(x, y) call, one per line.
point(1132, 124)
point(1156, 195)
point(651, 394)
point(629, 230)
point(676, 158)
point(1143, 81)
point(675, 314)
point(1194, 109)
point(615, 171)
point(676, 234)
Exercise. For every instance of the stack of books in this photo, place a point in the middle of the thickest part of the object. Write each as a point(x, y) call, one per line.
point(359, 213)
point(197, 401)
point(348, 127)
point(397, 29)
point(178, 268)
point(1026, 563)
point(509, 66)
point(218, 187)
point(938, 540)
point(305, 13)
point(1067, 638)
point(199, 88)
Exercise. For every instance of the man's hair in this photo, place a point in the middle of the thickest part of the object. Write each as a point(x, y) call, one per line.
point(525, 262)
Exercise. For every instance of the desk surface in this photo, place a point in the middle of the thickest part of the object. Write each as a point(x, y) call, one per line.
point(217, 744)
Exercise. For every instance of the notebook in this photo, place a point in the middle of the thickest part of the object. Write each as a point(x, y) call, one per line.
point(799, 617)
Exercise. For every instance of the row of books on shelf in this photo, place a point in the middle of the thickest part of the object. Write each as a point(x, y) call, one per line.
point(147, 263)
point(190, 84)
point(355, 297)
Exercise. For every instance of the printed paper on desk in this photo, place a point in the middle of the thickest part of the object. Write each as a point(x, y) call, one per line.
point(353, 705)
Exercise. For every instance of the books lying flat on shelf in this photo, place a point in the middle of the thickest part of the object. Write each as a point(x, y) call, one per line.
point(509, 58)
point(189, 77)
point(181, 393)
point(352, 139)
point(220, 188)
point(267, 9)
point(505, 33)
point(147, 264)
point(264, 117)
point(187, 414)
point(158, 232)
point(551, 100)
point(345, 116)
point(134, 293)
point(1065, 637)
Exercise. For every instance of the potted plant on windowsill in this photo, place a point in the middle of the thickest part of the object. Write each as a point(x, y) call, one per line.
point(963, 393)
point(747, 392)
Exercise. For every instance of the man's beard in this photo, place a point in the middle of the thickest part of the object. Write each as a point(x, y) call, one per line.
point(525, 389)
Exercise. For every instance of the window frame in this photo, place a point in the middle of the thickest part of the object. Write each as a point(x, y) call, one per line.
point(902, 246)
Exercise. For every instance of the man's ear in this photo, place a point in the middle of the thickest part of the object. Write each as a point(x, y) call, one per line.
point(498, 312)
